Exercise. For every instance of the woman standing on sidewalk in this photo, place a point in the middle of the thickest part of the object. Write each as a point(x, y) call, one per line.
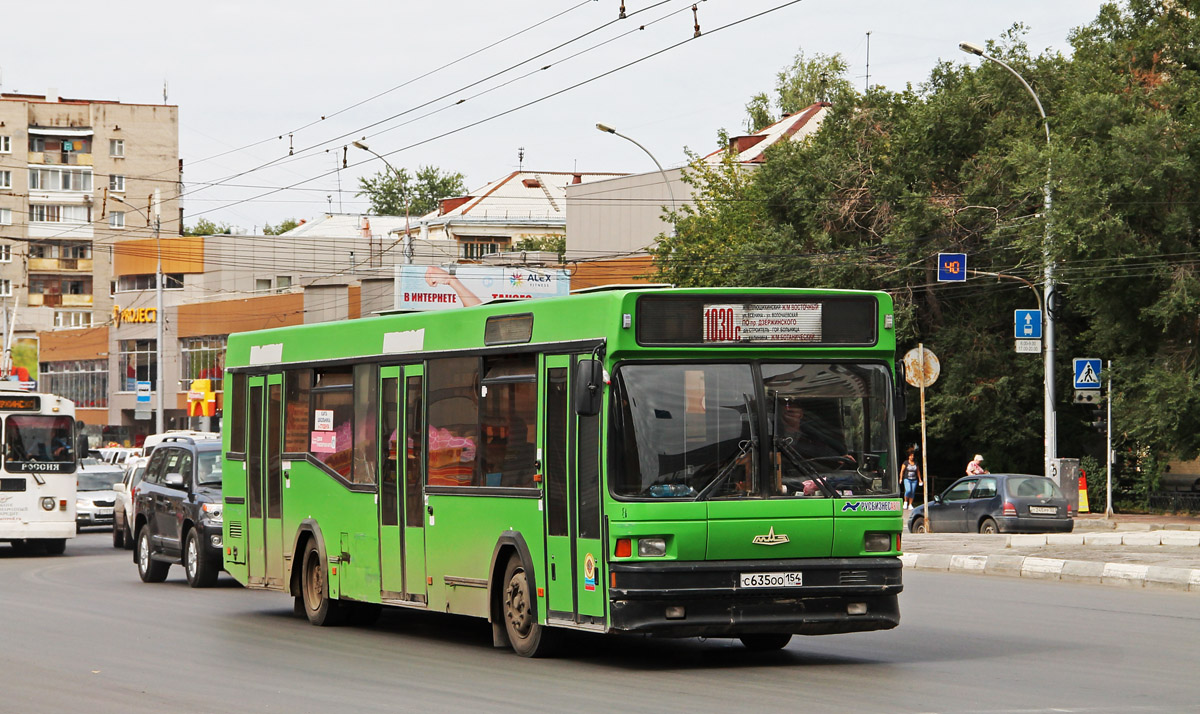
point(912, 479)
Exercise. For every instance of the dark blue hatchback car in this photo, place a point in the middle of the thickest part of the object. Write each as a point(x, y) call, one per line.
point(996, 503)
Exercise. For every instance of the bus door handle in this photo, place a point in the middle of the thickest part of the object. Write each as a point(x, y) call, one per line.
point(430, 509)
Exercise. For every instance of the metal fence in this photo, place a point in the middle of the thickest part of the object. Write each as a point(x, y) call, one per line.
point(1175, 501)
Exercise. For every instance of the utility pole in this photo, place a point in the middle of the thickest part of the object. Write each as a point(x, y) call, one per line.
point(159, 318)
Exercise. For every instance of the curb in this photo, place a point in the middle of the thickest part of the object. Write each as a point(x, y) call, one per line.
point(1162, 537)
point(1076, 571)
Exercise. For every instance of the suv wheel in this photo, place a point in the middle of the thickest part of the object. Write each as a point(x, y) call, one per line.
point(150, 570)
point(200, 570)
point(118, 536)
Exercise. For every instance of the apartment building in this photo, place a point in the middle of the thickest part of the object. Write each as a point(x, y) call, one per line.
point(77, 177)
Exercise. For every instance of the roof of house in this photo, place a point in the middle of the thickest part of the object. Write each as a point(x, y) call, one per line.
point(536, 195)
point(349, 225)
point(752, 148)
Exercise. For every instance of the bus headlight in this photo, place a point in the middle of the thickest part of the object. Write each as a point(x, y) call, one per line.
point(877, 542)
point(47, 503)
point(652, 547)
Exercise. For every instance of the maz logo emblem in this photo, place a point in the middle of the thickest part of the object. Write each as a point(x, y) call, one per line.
point(770, 538)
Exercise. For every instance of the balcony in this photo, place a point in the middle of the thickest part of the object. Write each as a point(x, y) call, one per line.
point(60, 265)
point(59, 300)
point(65, 158)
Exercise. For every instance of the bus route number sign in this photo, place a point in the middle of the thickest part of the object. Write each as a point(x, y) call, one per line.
point(20, 404)
point(767, 322)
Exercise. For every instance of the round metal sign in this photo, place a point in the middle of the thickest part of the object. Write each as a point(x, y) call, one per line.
point(920, 373)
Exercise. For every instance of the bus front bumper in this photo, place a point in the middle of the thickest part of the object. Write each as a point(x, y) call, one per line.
point(28, 531)
point(705, 599)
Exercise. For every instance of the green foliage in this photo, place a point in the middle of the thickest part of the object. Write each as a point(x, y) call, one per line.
point(806, 81)
point(205, 227)
point(390, 191)
point(960, 164)
point(556, 244)
point(284, 226)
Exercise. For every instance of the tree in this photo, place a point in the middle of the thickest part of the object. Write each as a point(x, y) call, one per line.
point(389, 191)
point(284, 226)
point(556, 243)
point(958, 165)
point(820, 79)
point(205, 227)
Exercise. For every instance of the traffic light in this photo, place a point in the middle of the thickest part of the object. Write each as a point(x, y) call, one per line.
point(1098, 418)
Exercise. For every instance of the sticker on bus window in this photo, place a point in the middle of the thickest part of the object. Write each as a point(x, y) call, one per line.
point(589, 573)
point(323, 442)
point(323, 419)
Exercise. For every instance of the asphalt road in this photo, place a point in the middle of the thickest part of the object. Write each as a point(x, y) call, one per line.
point(81, 633)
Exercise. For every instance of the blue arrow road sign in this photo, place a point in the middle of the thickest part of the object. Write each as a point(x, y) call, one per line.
point(1087, 373)
point(1027, 324)
point(952, 267)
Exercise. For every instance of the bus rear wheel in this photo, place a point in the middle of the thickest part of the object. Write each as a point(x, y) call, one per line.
point(54, 546)
point(527, 637)
point(321, 610)
point(766, 642)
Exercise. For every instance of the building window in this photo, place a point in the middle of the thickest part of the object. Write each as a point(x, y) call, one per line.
point(5, 253)
point(262, 285)
point(60, 180)
point(116, 147)
point(282, 283)
point(84, 382)
point(5, 216)
point(116, 219)
point(476, 249)
point(5, 144)
point(5, 179)
point(72, 318)
point(134, 283)
point(136, 362)
point(116, 182)
point(5, 288)
point(202, 358)
point(40, 213)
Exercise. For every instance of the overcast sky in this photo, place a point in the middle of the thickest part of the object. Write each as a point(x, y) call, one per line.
point(244, 72)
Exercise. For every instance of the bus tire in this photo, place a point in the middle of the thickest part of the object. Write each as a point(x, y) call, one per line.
point(766, 641)
point(199, 570)
point(54, 546)
point(525, 635)
point(321, 610)
point(149, 569)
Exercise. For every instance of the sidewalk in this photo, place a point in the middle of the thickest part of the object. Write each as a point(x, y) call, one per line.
point(1161, 552)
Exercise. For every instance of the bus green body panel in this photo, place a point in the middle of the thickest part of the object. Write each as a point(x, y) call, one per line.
point(711, 543)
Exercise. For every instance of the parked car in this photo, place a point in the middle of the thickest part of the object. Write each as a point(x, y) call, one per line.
point(95, 496)
point(117, 455)
point(135, 468)
point(155, 439)
point(177, 511)
point(997, 503)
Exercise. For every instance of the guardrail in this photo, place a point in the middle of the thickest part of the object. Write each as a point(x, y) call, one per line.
point(1175, 501)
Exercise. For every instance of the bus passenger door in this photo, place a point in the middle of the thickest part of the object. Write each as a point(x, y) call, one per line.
point(391, 533)
point(412, 449)
point(584, 468)
point(273, 472)
point(559, 568)
point(255, 521)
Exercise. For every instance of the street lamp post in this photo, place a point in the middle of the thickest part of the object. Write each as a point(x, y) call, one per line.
point(1047, 242)
point(408, 249)
point(670, 191)
point(160, 385)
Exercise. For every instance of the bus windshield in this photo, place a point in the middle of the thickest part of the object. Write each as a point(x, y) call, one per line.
point(737, 430)
point(32, 439)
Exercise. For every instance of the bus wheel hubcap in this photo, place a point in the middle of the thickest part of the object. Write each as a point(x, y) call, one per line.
point(517, 605)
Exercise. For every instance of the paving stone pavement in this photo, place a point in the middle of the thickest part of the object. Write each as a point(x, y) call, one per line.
point(1154, 552)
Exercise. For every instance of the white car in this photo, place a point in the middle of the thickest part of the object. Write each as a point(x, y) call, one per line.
point(117, 455)
point(135, 468)
point(95, 497)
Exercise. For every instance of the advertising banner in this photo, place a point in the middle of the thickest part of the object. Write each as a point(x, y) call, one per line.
point(432, 287)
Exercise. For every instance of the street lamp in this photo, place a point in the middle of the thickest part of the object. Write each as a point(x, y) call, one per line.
point(408, 249)
point(670, 192)
point(1047, 242)
point(158, 303)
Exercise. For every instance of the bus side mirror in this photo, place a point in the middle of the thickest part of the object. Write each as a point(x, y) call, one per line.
point(589, 387)
point(81, 446)
point(901, 398)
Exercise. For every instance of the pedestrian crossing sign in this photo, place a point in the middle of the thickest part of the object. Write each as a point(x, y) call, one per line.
point(1087, 373)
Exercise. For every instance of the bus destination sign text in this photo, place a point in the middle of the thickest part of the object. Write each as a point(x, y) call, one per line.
point(765, 322)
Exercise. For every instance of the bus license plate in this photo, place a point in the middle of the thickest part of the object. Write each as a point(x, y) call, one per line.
point(771, 580)
point(1044, 510)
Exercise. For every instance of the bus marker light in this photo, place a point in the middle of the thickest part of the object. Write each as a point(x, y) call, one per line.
point(676, 612)
point(541, 592)
point(856, 608)
point(624, 548)
point(613, 579)
point(429, 580)
point(62, 505)
point(335, 570)
point(537, 478)
point(898, 542)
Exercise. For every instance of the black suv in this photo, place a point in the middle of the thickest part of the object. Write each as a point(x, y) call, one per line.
point(177, 511)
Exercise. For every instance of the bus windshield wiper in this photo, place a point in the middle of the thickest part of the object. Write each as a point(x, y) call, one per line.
point(744, 447)
point(803, 465)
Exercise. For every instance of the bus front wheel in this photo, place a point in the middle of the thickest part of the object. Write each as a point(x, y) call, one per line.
point(321, 610)
point(54, 546)
point(527, 637)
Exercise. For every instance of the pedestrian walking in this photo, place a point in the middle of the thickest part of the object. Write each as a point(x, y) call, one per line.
point(976, 466)
point(912, 479)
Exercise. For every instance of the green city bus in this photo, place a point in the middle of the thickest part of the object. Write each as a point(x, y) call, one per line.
point(674, 462)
